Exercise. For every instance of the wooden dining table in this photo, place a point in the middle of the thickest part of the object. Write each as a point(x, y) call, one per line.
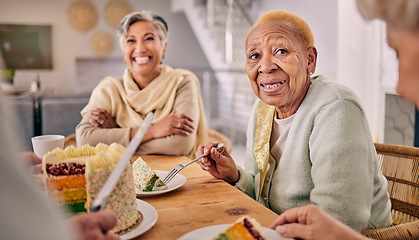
point(202, 201)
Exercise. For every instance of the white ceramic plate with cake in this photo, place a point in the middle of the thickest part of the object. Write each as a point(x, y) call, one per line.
point(178, 181)
point(149, 219)
point(210, 232)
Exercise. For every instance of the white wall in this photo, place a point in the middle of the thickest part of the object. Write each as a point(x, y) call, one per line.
point(321, 15)
point(359, 62)
point(69, 44)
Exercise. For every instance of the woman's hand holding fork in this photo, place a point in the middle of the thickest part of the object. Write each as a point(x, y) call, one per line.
point(218, 162)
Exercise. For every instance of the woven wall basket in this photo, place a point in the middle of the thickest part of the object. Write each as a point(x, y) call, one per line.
point(82, 15)
point(115, 10)
point(102, 43)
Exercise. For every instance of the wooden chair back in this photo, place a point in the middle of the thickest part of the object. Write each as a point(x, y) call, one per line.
point(216, 136)
point(70, 140)
point(400, 165)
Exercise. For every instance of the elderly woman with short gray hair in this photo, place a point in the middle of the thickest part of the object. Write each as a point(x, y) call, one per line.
point(117, 106)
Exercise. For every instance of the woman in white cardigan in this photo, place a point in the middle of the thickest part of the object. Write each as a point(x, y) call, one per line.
point(308, 140)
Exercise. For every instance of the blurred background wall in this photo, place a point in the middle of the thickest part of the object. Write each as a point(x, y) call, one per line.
point(350, 51)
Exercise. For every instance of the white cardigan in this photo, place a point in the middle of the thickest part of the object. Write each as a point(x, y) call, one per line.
point(329, 160)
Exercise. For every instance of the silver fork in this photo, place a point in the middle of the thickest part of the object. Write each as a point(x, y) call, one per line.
point(175, 170)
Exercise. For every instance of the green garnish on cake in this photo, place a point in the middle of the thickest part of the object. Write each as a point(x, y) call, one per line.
point(145, 178)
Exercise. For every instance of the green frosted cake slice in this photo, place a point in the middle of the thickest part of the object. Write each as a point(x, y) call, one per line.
point(145, 178)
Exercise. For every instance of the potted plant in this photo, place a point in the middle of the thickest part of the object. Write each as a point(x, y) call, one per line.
point(7, 75)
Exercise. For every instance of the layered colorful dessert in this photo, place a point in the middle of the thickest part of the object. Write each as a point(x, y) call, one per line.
point(65, 179)
point(145, 178)
point(245, 228)
point(74, 177)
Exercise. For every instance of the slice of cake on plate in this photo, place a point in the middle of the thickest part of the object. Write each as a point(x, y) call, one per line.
point(245, 228)
point(145, 178)
point(74, 177)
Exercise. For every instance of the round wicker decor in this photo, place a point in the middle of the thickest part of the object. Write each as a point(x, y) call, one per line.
point(102, 43)
point(82, 15)
point(115, 10)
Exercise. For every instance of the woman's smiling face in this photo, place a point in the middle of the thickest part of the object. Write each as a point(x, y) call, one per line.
point(143, 49)
point(278, 65)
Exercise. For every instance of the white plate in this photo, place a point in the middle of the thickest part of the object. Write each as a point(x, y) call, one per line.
point(175, 183)
point(207, 233)
point(149, 219)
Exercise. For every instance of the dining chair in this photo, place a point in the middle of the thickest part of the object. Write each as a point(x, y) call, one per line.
point(400, 165)
point(216, 136)
point(70, 140)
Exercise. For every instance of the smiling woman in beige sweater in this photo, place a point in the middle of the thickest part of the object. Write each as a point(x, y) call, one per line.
point(117, 106)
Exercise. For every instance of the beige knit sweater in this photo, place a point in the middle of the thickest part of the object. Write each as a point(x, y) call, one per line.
point(173, 89)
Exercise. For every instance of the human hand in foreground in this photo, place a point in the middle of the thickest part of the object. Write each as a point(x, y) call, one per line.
point(95, 226)
point(218, 162)
point(33, 161)
point(101, 118)
point(310, 223)
point(172, 124)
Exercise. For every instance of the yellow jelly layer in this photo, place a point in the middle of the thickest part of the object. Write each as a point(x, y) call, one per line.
point(66, 182)
point(71, 195)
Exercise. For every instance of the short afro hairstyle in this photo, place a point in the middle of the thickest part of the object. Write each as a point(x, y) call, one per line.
point(298, 24)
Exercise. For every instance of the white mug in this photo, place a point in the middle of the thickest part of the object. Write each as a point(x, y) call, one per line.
point(45, 143)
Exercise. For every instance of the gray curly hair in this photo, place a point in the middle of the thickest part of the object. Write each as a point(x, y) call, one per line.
point(398, 13)
point(145, 15)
